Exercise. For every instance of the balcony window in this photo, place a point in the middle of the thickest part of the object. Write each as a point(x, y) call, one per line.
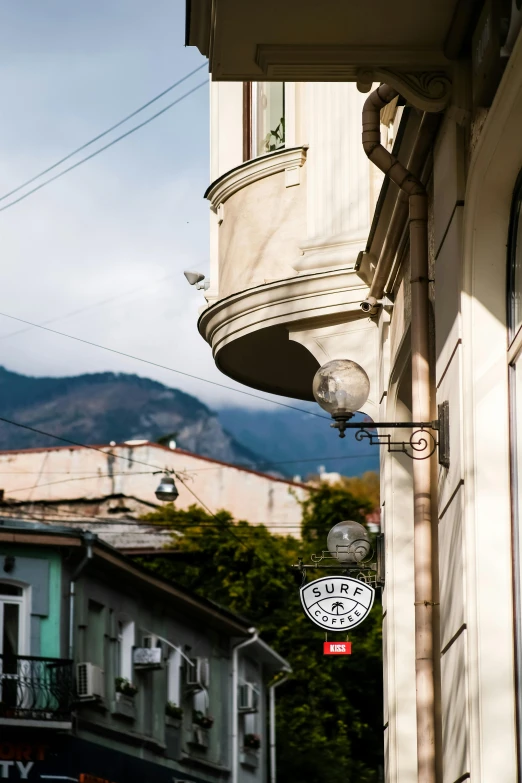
point(174, 678)
point(264, 118)
point(126, 633)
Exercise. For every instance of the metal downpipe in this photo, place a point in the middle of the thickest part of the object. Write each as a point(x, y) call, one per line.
point(427, 733)
point(428, 126)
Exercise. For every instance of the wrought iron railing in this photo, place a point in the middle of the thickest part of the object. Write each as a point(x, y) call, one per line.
point(35, 688)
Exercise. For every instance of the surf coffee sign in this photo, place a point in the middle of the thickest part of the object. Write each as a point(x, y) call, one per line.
point(337, 603)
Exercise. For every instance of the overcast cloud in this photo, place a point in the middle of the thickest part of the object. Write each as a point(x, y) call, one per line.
point(126, 220)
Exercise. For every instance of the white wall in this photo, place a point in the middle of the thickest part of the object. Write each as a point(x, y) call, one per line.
point(60, 473)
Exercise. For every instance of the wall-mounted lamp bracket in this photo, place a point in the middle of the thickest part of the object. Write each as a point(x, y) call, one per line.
point(421, 444)
point(369, 571)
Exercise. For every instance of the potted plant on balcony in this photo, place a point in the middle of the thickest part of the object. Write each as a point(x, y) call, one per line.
point(203, 721)
point(125, 687)
point(252, 742)
point(199, 733)
point(123, 705)
point(173, 715)
point(249, 755)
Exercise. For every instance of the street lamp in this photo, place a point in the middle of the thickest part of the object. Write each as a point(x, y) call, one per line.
point(349, 542)
point(341, 387)
point(167, 489)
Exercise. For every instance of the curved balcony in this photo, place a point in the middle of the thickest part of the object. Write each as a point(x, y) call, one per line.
point(287, 229)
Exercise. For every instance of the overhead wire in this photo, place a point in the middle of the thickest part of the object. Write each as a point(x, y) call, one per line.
point(100, 303)
point(101, 135)
point(162, 366)
point(105, 147)
point(137, 462)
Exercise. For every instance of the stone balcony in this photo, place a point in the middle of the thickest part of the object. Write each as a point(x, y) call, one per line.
point(286, 232)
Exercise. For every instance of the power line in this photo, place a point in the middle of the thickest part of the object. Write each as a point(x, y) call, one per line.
point(87, 307)
point(102, 149)
point(137, 462)
point(81, 445)
point(101, 135)
point(162, 366)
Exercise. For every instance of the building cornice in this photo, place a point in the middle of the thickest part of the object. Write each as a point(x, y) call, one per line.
point(330, 295)
point(253, 170)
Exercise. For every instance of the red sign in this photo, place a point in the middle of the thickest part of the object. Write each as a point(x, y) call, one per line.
point(337, 648)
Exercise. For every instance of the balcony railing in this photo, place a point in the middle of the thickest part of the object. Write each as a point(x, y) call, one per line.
point(34, 688)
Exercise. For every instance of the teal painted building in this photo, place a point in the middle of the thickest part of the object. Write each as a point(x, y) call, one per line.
point(109, 674)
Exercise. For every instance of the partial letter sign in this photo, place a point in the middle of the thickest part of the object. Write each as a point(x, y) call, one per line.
point(337, 603)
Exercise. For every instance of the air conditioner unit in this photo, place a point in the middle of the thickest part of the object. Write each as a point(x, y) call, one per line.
point(247, 698)
point(198, 675)
point(90, 681)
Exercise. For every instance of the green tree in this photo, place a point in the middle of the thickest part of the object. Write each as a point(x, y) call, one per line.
point(328, 505)
point(329, 715)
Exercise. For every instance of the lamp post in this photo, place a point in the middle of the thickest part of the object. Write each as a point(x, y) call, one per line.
point(341, 387)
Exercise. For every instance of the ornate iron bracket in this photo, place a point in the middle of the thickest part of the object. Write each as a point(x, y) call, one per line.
point(369, 570)
point(421, 444)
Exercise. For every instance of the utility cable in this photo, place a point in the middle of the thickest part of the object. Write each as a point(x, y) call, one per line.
point(87, 307)
point(162, 366)
point(137, 462)
point(102, 149)
point(105, 133)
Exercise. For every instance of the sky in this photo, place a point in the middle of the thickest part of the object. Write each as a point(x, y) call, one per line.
point(125, 224)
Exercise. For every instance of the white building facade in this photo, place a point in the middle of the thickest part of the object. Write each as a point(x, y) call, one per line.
point(120, 480)
point(300, 236)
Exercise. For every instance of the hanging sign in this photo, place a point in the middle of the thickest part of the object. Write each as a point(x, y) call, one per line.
point(336, 603)
point(337, 648)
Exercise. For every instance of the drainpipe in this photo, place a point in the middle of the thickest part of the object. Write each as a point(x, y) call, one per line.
point(235, 713)
point(88, 539)
point(421, 410)
point(427, 130)
point(272, 725)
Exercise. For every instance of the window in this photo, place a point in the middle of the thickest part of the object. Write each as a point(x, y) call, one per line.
point(95, 638)
point(264, 118)
point(125, 645)
point(12, 638)
point(12, 620)
point(514, 322)
point(174, 678)
point(515, 263)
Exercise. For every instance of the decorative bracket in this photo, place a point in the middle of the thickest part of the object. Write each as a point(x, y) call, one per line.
point(367, 571)
point(426, 90)
point(421, 444)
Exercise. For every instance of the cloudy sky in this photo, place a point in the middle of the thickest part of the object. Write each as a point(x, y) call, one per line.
point(123, 225)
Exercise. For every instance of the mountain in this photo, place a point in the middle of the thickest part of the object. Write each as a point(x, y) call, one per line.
point(300, 441)
point(104, 407)
point(101, 407)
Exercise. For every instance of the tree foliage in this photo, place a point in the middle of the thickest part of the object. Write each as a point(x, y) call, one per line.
point(329, 714)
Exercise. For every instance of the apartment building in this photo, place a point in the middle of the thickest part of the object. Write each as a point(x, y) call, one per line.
point(110, 674)
point(315, 256)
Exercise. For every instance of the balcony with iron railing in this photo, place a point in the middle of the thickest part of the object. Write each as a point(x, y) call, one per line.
point(36, 691)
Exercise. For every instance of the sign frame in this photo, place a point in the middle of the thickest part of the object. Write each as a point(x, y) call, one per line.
point(316, 594)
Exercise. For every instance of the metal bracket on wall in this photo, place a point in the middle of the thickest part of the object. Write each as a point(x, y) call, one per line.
point(370, 571)
point(422, 442)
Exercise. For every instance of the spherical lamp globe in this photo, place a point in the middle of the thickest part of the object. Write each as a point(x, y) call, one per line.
point(349, 542)
point(341, 387)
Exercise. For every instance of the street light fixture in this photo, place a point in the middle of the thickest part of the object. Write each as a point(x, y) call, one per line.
point(167, 489)
point(341, 387)
point(350, 542)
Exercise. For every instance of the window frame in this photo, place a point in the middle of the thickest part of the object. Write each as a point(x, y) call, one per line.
point(514, 355)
